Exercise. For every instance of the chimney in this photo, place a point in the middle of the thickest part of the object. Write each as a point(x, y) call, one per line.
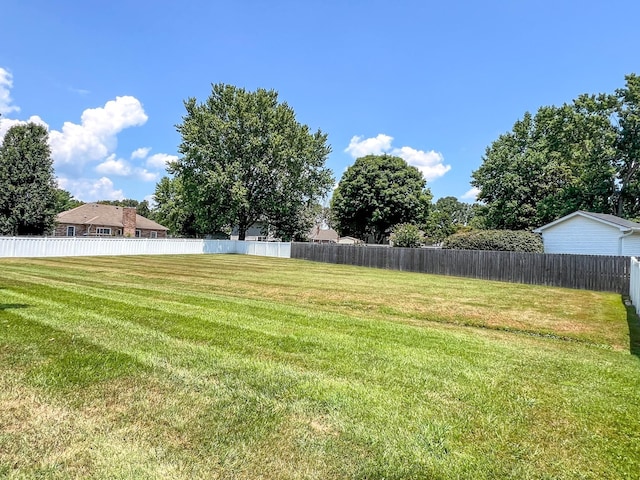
point(129, 221)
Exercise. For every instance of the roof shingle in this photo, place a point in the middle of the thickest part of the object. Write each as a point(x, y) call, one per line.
point(103, 215)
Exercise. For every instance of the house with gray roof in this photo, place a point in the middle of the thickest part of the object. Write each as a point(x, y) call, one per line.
point(322, 235)
point(590, 233)
point(97, 220)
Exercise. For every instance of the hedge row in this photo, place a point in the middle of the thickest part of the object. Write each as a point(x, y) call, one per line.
point(495, 240)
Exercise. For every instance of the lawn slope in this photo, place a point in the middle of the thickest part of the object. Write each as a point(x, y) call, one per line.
point(245, 367)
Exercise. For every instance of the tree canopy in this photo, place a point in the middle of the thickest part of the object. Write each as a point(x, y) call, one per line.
point(127, 202)
point(65, 201)
point(142, 208)
point(172, 210)
point(376, 193)
point(27, 186)
point(245, 158)
point(582, 155)
point(446, 217)
point(406, 235)
point(627, 198)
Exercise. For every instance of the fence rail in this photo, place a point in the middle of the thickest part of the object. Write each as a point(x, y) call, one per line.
point(588, 272)
point(81, 246)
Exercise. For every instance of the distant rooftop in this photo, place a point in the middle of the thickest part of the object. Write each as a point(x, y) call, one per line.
point(103, 215)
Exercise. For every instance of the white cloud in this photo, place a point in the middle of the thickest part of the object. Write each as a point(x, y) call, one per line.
point(471, 194)
point(145, 175)
point(122, 168)
point(152, 200)
point(79, 91)
point(92, 141)
point(6, 84)
point(140, 152)
point(430, 163)
point(369, 146)
point(160, 160)
point(91, 190)
point(114, 166)
point(95, 138)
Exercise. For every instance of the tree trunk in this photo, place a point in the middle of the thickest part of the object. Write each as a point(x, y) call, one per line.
point(618, 201)
point(619, 205)
point(243, 225)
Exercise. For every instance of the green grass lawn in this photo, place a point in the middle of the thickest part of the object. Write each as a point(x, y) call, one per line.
point(229, 366)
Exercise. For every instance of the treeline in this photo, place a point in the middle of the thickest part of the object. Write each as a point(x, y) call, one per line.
point(246, 160)
point(583, 155)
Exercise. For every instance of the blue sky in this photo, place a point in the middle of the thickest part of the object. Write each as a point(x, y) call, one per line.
point(433, 82)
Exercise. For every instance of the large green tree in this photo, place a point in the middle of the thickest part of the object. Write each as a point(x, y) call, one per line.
point(376, 193)
point(27, 186)
point(245, 158)
point(172, 210)
point(583, 155)
point(446, 217)
point(65, 201)
point(627, 198)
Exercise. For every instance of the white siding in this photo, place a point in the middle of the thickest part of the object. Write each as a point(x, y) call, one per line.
point(582, 235)
point(631, 245)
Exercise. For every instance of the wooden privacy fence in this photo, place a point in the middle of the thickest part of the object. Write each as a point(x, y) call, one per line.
point(587, 272)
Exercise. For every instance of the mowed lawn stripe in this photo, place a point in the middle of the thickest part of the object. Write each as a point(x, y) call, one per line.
point(305, 393)
point(245, 324)
point(403, 297)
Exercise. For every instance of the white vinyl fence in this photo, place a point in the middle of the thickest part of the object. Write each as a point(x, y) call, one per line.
point(634, 283)
point(80, 246)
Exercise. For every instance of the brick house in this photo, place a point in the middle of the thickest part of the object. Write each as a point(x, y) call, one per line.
point(97, 220)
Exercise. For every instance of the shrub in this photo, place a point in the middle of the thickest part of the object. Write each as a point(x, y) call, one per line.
point(496, 240)
point(406, 235)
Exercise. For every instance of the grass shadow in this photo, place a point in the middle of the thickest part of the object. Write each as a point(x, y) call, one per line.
point(633, 320)
point(7, 306)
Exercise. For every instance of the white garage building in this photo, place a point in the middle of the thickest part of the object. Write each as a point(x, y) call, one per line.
point(589, 233)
